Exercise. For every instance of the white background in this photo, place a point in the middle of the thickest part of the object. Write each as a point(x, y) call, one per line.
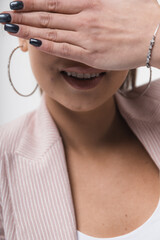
point(11, 104)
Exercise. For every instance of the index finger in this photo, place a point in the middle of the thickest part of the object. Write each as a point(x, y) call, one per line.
point(61, 6)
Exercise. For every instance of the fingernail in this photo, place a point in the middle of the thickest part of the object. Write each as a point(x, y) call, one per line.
point(5, 17)
point(35, 42)
point(16, 5)
point(12, 28)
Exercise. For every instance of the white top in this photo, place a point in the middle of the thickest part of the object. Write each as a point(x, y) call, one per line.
point(150, 230)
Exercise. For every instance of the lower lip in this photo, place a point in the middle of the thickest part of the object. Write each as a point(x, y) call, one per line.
point(83, 84)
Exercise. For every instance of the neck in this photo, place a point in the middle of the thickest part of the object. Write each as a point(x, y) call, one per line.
point(86, 131)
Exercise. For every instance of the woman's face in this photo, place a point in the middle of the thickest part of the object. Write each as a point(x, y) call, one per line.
point(46, 69)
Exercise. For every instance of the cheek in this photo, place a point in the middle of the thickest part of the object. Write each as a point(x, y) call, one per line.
point(41, 64)
point(45, 70)
point(115, 80)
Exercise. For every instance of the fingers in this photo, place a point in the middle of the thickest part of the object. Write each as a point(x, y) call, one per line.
point(63, 50)
point(55, 35)
point(45, 20)
point(59, 6)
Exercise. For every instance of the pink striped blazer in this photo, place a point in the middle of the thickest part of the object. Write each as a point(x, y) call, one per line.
point(35, 194)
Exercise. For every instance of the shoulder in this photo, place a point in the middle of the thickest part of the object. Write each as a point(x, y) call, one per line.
point(12, 133)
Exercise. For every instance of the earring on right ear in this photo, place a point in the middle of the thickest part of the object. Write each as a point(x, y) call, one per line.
point(9, 75)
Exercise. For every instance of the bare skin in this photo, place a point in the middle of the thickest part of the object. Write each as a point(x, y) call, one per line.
point(114, 190)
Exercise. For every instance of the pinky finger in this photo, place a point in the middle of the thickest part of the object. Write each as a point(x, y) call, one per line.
point(64, 50)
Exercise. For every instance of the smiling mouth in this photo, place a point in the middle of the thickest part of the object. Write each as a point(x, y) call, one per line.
point(82, 83)
point(82, 79)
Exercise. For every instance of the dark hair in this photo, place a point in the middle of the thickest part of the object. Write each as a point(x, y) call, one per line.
point(130, 81)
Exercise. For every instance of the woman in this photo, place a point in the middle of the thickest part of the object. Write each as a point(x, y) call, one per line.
point(85, 164)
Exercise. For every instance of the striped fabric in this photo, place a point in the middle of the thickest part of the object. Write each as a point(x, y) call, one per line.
point(35, 194)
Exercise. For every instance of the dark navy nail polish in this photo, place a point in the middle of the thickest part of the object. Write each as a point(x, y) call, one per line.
point(35, 42)
point(16, 5)
point(5, 17)
point(12, 28)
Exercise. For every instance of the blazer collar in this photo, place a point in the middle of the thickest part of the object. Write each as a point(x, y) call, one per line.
point(40, 134)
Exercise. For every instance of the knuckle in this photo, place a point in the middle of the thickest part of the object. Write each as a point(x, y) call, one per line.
point(66, 50)
point(95, 38)
point(82, 54)
point(91, 20)
point(49, 48)
point(44, 19)
point(53, 5)
point(20, 18)
point(52, 35)
point(93, 58)
point(86, 20)
point(30, 4)
point(96, 4)
point(26, 33)
point(95, 34)
point(81, 23)
point(89, 3)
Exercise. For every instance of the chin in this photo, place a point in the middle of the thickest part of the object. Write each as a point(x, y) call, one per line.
point(81, 108)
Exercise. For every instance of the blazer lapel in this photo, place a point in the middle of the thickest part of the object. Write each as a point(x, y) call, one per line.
point(39, 183)
point(142, 114)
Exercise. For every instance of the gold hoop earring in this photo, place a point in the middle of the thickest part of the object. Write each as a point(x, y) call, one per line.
point(124, 93)
point(9, 75)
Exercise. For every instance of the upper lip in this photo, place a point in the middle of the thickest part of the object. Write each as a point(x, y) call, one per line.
point(82, 70)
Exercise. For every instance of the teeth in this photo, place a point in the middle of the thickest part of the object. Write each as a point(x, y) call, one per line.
point(87, 75)
point(82, 75)
point(94, 74)
point(68, 73)
point(74, 74)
